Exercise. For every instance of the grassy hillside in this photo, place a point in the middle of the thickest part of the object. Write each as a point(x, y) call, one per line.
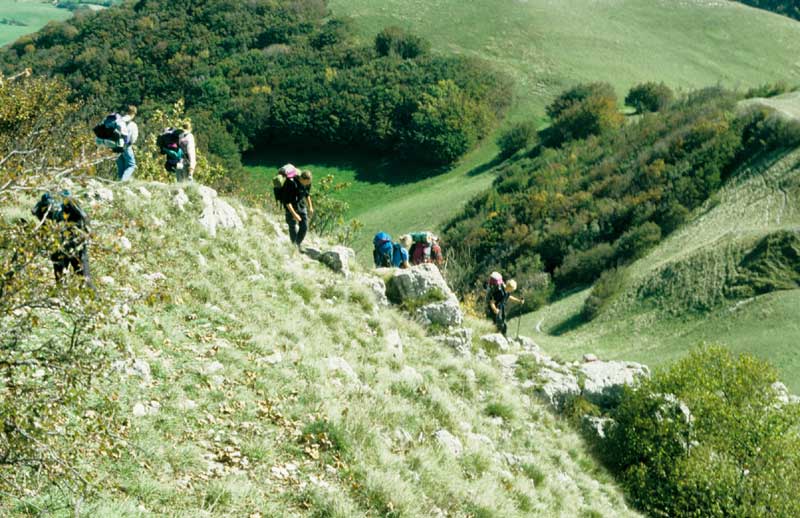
point(547, 46)
point(271, 390)
point(20, 17)
point(675, 296)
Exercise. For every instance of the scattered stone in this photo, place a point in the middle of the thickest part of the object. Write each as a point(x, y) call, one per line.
point(107, 280)
point(145, 409)
point(201, 260)
point(158, 222)
point(256, 265)
point(272, 359)
point(154, 277)
point(422, 282)
point(216, 212)
point(213, 368)
point(338, 259)
point(181, 199)
point(496, 341)
point(507, 361)
point(603, 381)
point(447, 313)
point(124, 243)
point(256, 277)
point(596, 427)
point(557, 387)
point(338, 364)
point(376, 285)
point(186, 405)
point(589, 358)
point(449, 442)
point(460, 339)
point(144, 193)
point(394, 343)
point(526, 343)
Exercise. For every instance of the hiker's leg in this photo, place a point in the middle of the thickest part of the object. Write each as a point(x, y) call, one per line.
point(301, 232)
point(120, 166)
point(82, 267)
point(292, 227)
point(59, 265)
point(129, 164)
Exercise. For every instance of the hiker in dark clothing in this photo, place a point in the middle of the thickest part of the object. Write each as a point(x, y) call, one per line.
point(298, 205)
point(74, 227)
point(497, 297)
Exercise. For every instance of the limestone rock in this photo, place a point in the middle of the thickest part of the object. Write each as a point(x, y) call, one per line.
point(421, 283)
point(216, 212)
point(337, 364)
point(557, 387)
point(181, 199)
point(603, 381)
point(376, 286)
point(459, 338)
point(144, 193)
point(449, 442)
point(495, 341)
point(596, 427)
point(338, 259)
point(394, 343)
point(124, 243)
point(507, 361)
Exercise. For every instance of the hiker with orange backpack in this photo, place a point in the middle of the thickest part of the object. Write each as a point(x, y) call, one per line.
point(498, 293)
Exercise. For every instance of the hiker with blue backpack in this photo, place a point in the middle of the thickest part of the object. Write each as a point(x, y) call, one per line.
point(387, 254)
point(498, 293)
point(120, 133)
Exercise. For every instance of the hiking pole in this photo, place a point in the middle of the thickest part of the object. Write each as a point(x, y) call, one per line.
point(519, 321)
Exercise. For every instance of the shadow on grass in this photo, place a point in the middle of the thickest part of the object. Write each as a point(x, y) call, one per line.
point(570, 324)
point(386, 168)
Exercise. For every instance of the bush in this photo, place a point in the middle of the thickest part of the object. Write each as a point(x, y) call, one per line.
point(609, 284)
point(583, 267)
point(520, 136)
point(649, 97)
point(709, 437)
point(634, 243)
point(768, 90)
point(583, 111)
point(396, 41)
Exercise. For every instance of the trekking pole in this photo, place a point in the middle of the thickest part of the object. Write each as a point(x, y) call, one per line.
point(519, 321)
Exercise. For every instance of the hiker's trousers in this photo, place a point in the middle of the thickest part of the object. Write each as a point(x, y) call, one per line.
point(297, 230)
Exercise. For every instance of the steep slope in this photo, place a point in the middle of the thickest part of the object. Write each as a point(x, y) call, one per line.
point(701, 284)
point(252, 381)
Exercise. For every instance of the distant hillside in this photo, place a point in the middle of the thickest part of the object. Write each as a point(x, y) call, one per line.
point(790, 8)
point(728, 276)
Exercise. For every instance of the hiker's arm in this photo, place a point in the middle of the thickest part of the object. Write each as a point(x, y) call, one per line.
point(293, 212)
point(515, 299)
point(493, 306)
point(310, 205)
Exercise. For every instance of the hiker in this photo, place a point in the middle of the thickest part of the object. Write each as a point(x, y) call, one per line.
point(296, 197)
point(386, 254)
point(497, 295)
point(178, 145)
point(189, 149)
point(73, 249)
point(126, 161)
point(425, 249)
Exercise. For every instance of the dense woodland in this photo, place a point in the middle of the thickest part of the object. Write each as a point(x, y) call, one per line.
point(263, 72)
point(790, 8)
point(597, 193)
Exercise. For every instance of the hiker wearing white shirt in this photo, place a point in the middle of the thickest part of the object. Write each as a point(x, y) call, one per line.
point(188, 146)
point(126, 162)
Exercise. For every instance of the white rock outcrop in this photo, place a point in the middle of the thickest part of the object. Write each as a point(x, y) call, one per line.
point(217, 213)
point(424, 282)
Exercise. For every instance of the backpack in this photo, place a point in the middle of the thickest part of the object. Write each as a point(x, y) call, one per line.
point(399, 255)
point(112, 132)
point(383, 250)
point(169, 144)
point(279, 181)
point(495, 279)
point(46, 206)
point(419, 237)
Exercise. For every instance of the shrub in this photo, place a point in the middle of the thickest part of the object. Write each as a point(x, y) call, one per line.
point(585, 110)
point(709, 437)
point(583, 267)
point(396, 41)
point(649, 97)
point(634, 243)
point(768, 90)
point(609, 284)
point(520, 136)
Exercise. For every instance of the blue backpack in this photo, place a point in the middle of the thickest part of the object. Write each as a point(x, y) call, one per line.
point(382, 250)
point(399, 255)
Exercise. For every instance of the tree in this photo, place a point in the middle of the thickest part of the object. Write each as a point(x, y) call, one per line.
point(582, 111)
point(649, 97)
point(395, 41)
point(520, 136)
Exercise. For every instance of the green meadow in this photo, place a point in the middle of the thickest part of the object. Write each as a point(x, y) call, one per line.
point(20, 17)
point(547, 46)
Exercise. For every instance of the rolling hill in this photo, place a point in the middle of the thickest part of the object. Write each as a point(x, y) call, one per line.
point(547, 46)
point(684, 291)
